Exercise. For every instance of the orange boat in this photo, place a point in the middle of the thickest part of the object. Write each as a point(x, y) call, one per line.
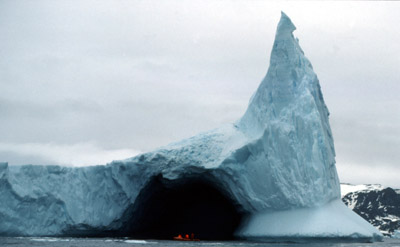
point(186, 238)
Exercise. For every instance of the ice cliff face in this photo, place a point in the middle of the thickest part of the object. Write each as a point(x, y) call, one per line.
point(288, 120)
point(277, 161)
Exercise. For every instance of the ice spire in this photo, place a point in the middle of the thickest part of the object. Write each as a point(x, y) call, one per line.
point(289, 116)
point(284, 80)
point(285, 27)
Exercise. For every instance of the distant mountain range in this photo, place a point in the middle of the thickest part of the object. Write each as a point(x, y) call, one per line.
point(377, 204)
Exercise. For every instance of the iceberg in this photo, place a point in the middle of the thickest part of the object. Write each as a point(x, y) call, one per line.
point(270, 175)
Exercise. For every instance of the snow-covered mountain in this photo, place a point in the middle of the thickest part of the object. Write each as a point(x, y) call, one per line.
point(270, 175)
point(377, 204)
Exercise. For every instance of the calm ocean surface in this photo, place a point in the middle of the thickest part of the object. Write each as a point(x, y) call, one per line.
point(107, 242)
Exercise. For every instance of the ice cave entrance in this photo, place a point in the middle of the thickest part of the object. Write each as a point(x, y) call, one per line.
point(165, 209)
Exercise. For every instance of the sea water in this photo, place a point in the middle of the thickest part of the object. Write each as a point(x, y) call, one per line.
point(111, 242)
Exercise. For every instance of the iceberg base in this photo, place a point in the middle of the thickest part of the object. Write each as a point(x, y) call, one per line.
point(333, 221)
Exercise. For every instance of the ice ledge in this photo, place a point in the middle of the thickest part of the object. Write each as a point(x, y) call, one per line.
point(331, 221)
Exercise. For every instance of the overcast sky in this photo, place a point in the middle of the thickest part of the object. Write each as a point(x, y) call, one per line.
point(86, 82)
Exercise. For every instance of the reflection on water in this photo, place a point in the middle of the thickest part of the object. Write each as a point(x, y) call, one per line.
point(110, 242)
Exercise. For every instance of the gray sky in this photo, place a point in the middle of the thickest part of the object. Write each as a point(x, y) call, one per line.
point(86, 82)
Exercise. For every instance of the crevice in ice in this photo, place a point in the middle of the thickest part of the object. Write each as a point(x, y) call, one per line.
point(166, 208)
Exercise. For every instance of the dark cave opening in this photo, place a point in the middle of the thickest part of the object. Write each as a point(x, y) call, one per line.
point(165, 209)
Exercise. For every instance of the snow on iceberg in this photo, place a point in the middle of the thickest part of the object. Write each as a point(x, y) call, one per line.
point(269, 175)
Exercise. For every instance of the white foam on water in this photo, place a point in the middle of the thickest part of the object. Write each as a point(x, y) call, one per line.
point(134, 241)
point(50, 239)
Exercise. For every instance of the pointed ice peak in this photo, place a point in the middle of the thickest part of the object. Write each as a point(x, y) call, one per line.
point(290, 83)
point(285, 27)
